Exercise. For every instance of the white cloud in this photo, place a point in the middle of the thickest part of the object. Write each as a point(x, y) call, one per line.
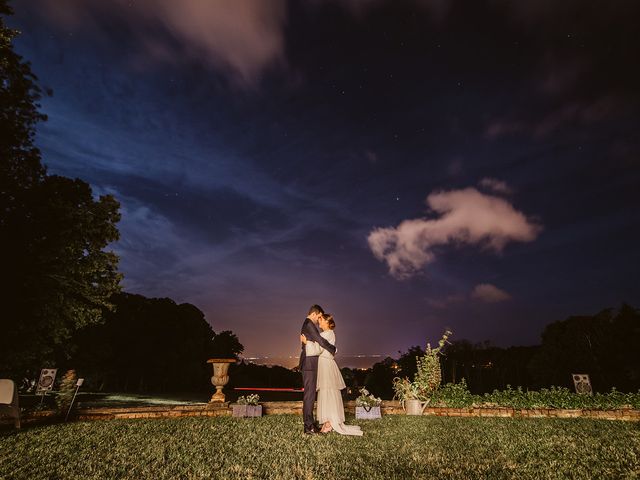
point(495, 185)
point(466, 217)
point(489, 293)
point(241, 37)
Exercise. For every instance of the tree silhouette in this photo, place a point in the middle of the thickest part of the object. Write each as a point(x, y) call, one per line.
point(56, 276)
point(148, 345)
point(604, 345)
point(225, 345)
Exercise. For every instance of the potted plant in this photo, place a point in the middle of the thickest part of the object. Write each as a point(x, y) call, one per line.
point(367, 406)
point(247, 406)
point(415, 395)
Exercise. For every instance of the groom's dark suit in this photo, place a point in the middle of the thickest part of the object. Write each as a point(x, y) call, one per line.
point(309, 368)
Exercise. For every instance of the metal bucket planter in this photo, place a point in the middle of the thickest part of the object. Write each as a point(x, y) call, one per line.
point(242, 411)
point(368, 413)
point(414, 407)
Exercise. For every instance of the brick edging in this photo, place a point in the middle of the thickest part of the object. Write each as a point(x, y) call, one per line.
point(388, 408)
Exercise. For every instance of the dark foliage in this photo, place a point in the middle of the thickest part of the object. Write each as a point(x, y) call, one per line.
point(56, 277)
point(147, 345)
point(604, 345)
point(263, 376)
point(380, 377)
point(486, 367)
point(225, 345)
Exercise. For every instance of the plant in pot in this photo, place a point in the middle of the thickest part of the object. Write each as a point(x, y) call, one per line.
point(247, 406)
point(415, 395)
point(367, 405)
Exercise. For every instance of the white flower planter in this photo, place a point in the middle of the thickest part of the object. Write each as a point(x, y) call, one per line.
point(242, 411)
point(368, 413)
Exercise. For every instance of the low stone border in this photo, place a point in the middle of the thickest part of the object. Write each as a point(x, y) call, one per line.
point(295, 408)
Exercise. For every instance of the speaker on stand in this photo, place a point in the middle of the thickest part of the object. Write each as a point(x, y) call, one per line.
point(45, 383)
point(582, 383)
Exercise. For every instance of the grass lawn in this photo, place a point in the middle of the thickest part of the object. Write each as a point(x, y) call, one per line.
point(274, 447)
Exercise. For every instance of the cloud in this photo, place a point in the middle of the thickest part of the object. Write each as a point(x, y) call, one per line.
point(242, 38)
point(495, 185)
point(161, 256)
point(467, 217)
point(484, 292)
point(437, 8)
point(578, 113)
point(568, 114)
point(488, 293)
point(455, 167)
point(446, 301)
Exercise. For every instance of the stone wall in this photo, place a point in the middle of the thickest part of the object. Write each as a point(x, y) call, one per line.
point(295, 408)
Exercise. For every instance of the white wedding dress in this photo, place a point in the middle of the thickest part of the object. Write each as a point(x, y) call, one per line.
point(330, 382)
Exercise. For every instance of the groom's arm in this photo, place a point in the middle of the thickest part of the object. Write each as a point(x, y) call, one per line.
point(312, 334)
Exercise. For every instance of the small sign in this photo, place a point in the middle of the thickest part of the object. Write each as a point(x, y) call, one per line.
point(47, 377)
point(582, 383)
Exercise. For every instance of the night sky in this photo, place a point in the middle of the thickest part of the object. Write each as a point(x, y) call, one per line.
point(408, 165)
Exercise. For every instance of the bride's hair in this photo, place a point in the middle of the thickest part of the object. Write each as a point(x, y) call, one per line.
point(329, 318)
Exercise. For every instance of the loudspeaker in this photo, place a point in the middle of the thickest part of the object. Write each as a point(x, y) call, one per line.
point(582, 383)
point(47, 377)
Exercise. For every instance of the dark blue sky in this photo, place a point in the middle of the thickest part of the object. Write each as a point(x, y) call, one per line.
point(256, 147)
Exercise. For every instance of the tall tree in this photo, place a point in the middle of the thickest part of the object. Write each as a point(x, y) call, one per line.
point(53, 232)
point(19, 114)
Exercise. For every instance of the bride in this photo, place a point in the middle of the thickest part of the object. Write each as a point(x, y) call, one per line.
point(330, 409)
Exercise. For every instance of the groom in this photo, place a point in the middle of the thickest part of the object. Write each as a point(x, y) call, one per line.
point(309, 366)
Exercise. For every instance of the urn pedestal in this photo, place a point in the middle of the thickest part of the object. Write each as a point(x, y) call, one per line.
point(220, 376)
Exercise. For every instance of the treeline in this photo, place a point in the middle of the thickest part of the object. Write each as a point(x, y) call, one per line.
point(143, 345)
point(149, 345)
point(604, 345)
point(262, 376)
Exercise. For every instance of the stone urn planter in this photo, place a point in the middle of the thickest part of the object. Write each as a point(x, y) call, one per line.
point(220, 376)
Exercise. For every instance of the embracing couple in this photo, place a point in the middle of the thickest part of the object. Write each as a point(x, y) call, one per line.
point(321, 376)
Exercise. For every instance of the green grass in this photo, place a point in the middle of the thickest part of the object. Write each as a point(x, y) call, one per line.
point(274, 447)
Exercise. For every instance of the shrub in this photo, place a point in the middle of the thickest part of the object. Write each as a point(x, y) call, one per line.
point(66, 392)
point(457, 395)
point(428, 376)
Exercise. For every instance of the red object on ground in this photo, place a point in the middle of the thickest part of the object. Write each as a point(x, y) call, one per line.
point(271, 389)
